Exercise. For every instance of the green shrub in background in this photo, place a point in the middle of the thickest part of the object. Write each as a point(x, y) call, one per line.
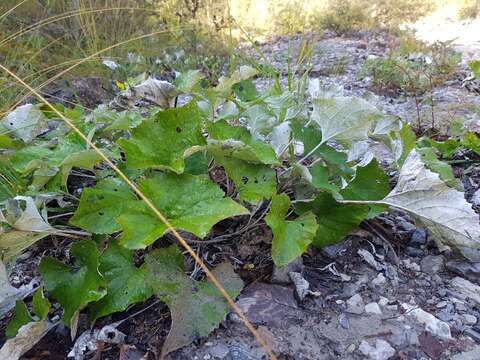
point(414, 67)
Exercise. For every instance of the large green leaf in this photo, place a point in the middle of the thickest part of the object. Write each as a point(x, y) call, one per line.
point(191, 203)
point(335, 220)
point(165, 140)
point(74, 287)
point(237, 142)
point(290, 238)
point(196, 307)
point(125, 282)
point(100, 206)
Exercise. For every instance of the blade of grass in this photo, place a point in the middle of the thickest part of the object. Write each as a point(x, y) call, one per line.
point(8, 12)
point(64, 16)
point(85, 59)
point(160, 216)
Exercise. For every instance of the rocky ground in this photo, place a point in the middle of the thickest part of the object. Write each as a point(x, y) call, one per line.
point(384, 293)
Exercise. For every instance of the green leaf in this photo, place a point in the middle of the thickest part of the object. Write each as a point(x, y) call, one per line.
point(335, 160)
point(11, 183)
point(246, 90)
point(40, 304)
point(446, 148)
point(196, 307)
point(243, 73)
point(408, 140)
point(197, 164)
point(165, 140)
point(21, 317)
point(254, 182)
point(320, 179)
point(188, 80)
point(429, 158)
point(191, 203)
point(125, 282)
point(125, 120)
point(100, 206)
point(6, 142)
point(237, 142)
point(74, 288)
point(475, 67)
point(335, 220)
point(290, 238)
point(370, 183)
point(472, 142)
point(46, 163)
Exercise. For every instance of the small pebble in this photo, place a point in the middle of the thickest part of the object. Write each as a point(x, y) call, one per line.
point(392, 307)
point(379, 280)
point(383, 301)
point(373, 308)
point(418, 238)
point(469, 319)
point(441, 304)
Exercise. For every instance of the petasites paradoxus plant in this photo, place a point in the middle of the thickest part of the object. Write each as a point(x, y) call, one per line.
point(310, 175)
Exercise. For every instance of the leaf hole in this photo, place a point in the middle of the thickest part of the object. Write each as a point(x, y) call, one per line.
point(101, 213)
point(245, 179)
point(178, 129)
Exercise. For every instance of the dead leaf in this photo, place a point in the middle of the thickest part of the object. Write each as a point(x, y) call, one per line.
point(28, 335)
point(9, 294)
point(151, 91)
point(91, 340)
point(26, 122)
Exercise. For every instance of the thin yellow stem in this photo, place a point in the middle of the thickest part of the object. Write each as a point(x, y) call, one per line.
point(6, 13)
